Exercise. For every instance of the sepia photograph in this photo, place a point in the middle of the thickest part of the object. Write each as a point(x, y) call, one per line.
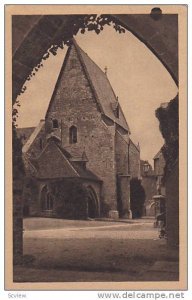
point(96, 186)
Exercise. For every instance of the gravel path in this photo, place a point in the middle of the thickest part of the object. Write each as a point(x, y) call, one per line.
point(91, 251)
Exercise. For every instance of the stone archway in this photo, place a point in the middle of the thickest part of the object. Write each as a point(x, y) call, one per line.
point(33, 35)
point(92, 203)
point(46, 200)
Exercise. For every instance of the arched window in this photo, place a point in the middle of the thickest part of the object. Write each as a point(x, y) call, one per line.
point(55, 123)
point(46, 199)
point(73, 135)
point(49, 202)
point(116, 111)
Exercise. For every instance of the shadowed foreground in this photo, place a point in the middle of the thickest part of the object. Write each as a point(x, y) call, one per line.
point(72, 251)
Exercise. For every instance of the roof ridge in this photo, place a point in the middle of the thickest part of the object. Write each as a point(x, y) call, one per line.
point(66, 160)
point(79, 49)
point(122, 136)
point(99, 84)
point(18, 128)
point(157, 154)
point(33, 136)
point(58, 79)
point(86, 171)
point(135, 145)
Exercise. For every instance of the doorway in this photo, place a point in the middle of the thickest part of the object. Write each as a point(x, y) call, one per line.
point(92, 203)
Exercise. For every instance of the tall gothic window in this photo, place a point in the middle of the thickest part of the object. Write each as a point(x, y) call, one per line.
point(115, 107)
point(49, 202)
point(55, 123)
point(73, 135)
point(46, 199)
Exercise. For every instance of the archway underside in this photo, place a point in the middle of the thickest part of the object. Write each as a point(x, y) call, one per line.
point(33, 35)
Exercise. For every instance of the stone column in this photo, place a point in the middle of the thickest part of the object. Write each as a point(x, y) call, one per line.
point(17, 221)
point(172, 206)
point(124, 189)
point(113, 214)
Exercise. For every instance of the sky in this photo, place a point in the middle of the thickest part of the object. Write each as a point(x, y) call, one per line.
point(138, 78)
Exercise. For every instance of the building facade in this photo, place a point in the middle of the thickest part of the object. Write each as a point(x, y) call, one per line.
point(159, 165)
point(149, 185)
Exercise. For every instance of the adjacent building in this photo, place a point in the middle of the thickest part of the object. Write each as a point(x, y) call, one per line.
point(159, 165)
point(149, 185)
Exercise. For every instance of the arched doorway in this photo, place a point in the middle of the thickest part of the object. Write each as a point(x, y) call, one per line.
point(137, 198)
point(92, 203)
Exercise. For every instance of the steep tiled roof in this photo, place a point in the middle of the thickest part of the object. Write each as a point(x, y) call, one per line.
point(33, 136)
point(84, 172)
point(158, 154)
point(54, 162)
point(102, 87)
point(24, 133)
point(134, 145)
point(103, 92)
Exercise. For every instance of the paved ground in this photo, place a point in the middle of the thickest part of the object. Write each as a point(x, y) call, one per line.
point(95, 251)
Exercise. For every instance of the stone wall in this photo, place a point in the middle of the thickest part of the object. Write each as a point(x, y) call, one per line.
point(30, 197)
point(134, 160)
point(149, 185)
point(73, 104)
point(121, 153)
point(123, 178)
point(17, 221)
point(172, 205)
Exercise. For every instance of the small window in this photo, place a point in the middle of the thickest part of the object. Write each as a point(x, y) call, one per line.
point(117, 111)
point(73, 135)
point(55, 123)
point(146, 167)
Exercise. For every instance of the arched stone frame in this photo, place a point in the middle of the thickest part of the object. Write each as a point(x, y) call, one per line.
point(22, 41)
point(133, 23)
point(40, 197)
point(49, 198)
point(55, 124)
point(91, 192)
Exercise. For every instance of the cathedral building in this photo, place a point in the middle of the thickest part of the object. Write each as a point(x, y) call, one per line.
point(77, 159)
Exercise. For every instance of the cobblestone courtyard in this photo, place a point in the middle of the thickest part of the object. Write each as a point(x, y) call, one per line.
point(65, 250)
